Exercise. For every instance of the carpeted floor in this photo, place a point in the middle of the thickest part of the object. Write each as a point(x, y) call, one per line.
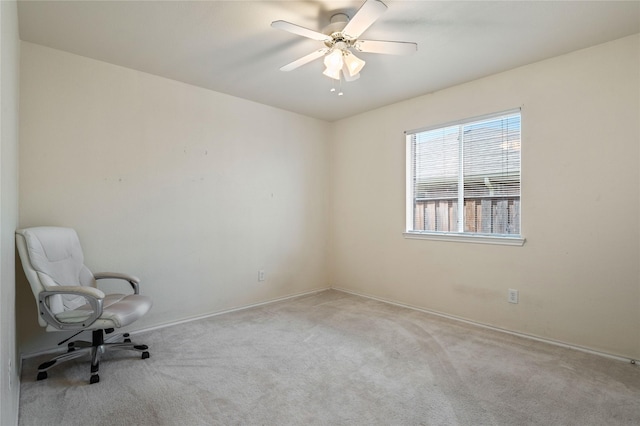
point(335, 359)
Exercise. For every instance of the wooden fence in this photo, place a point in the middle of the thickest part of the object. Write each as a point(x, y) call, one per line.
point(481, 215)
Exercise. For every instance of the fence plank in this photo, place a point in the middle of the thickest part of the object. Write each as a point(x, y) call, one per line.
point(485, 216)
point(453, 217)
point(430, 216)
point(418, 217)
point(500, 217)
point(442, 216)
point(470, 216)
point(514, 217)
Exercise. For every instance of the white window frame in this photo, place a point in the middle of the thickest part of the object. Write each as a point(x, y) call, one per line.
point(500, 239)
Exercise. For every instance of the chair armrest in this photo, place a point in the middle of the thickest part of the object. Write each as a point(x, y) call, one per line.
point(93, 296)
point(134, 281)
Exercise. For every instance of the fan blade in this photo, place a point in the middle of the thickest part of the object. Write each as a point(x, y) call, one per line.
point(364, 17)
point(302, 31)
point(304, 60)
point(387, 47)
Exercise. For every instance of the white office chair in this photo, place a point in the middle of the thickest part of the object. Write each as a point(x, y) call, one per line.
point(67, 296)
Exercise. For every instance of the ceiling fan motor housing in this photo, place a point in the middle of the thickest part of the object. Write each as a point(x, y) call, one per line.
point(334, 30)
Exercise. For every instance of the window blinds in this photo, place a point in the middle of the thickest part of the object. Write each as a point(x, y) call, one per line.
point(466, 177)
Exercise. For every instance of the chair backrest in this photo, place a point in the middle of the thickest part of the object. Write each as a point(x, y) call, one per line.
point(52, 256)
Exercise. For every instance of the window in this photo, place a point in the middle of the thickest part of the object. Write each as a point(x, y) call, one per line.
point(463, 180)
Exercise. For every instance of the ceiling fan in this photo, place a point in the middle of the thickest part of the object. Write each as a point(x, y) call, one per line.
point(341, 38)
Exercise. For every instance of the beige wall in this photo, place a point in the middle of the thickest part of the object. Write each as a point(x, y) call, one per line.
point(577, 273)
point(9, 97)
point(193, 191)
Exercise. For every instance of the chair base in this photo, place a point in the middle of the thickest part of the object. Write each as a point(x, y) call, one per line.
point(95, 348)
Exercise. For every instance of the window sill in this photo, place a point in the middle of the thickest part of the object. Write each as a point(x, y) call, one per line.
point(467, 238)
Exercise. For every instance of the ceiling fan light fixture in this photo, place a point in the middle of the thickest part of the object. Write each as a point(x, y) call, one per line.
point(353, 64)
point(341, 37)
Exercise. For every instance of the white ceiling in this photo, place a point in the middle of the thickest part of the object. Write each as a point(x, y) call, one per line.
point(229, 46)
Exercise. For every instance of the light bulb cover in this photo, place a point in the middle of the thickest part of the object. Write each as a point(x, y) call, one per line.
point(334, 60)
point(334, 74)
point(347, 74)
point(353, 64)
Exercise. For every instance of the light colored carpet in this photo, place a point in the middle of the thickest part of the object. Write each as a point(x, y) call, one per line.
point(336, 359)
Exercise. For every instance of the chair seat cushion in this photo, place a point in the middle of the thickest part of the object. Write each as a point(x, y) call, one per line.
point(119, 309)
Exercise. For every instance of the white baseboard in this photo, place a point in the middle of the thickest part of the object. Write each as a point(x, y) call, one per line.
point(491, 327)
point(368, 296)
point(226, 311)
point(185, 320)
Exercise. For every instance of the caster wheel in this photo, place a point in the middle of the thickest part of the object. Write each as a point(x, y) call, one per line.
point(145, 355)
point(94, 379)
point(42, 375)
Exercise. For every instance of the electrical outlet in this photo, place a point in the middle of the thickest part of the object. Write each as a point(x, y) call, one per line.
point(513, 296)
point(262, 275)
